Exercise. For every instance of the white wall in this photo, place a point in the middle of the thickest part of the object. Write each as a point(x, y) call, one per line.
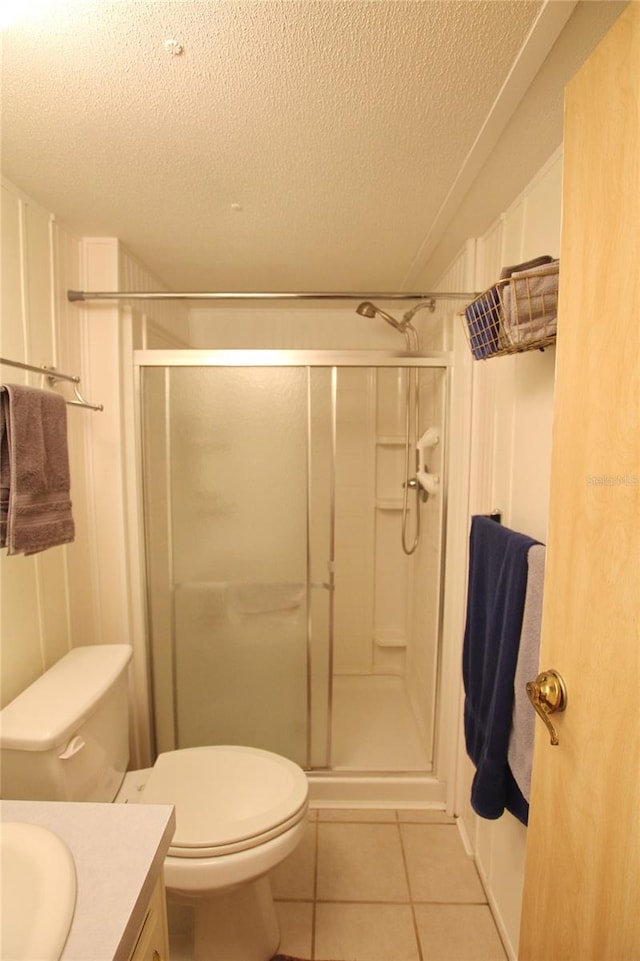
point(512, 407)
point(78, 593)
point(111, 332)
point(48, 599)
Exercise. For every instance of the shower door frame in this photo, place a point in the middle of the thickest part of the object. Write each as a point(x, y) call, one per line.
point(333, 359)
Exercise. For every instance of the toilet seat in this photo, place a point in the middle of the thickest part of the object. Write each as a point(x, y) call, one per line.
point(227, 798)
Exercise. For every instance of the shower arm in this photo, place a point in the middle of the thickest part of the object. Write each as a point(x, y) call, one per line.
point(407, 317)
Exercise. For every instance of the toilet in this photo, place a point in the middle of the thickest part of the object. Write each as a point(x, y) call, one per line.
point(240, 811)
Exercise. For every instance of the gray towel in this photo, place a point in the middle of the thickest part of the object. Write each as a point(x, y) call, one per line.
point(525, 265)
point(530, 302)
point(35, 506)
point(520, 753)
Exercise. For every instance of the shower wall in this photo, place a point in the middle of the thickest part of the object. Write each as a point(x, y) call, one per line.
point(226, 485)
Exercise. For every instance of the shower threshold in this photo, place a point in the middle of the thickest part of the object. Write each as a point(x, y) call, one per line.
point(378, 757)
point(375, 790)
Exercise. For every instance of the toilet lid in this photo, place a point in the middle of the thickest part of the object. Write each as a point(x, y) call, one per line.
point(227, 798)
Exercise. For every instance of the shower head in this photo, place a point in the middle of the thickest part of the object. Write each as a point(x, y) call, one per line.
point(367, 309)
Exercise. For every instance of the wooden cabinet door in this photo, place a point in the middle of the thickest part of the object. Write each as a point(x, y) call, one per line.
point(582, 886)
point(153, 940)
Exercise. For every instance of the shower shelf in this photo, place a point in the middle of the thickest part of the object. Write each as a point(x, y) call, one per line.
point(517, 314)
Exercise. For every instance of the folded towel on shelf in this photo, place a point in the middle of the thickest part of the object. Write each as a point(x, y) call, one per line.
point(530, 301)
point(483, 324)
point(541, 261)
point(35, 504)
point(495, 603)
point(520, 752)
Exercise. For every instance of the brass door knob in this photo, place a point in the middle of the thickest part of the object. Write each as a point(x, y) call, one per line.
point(548, 694)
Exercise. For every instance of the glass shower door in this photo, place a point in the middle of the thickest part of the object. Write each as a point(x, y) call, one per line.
point(225, 470)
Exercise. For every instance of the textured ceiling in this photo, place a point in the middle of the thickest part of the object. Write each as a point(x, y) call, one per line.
point(290, 145)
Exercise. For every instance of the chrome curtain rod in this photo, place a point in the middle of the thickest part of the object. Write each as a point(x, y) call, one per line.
point(85, 295)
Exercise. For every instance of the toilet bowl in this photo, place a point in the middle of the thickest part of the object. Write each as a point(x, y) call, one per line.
point(227, 841)
point(240, 811)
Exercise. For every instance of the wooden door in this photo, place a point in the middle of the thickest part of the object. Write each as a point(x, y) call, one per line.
point(582, 888)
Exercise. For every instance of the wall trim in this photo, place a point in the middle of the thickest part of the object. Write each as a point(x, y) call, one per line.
point(494, 907)
point(545, 31)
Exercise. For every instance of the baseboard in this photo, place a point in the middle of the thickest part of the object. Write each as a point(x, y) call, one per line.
point(491, 901)
point(497, 917)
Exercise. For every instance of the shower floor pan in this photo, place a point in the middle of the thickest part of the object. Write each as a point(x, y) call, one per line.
point(377, 754)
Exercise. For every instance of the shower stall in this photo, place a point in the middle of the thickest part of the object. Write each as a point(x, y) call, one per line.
point(283, 612)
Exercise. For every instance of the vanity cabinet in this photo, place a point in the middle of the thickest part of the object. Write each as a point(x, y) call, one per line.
point(153, 940)
point(118, 852)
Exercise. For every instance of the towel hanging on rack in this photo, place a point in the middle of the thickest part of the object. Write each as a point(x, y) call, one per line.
point(520, 752)
point(35, 504)
point(495, 604)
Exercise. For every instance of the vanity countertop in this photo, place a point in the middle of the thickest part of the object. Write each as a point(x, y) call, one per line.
point(119, 850)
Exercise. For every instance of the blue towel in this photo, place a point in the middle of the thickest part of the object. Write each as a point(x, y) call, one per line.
point(483, 323)
point(495, 604)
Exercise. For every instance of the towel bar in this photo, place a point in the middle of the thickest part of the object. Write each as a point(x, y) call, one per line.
point(52, 376)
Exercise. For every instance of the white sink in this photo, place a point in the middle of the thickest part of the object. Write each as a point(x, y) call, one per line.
point(37, 892)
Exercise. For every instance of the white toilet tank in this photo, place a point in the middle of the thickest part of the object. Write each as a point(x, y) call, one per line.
point(66, 737)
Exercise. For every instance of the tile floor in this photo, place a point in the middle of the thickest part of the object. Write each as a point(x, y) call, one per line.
point(381, 885)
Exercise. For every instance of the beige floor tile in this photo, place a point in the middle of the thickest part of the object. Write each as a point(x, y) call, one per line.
point(365, 932)
point(294, 879)
point(438, 867)
point(296, 924)
point(458, 932)
point(357, 814)
point(180, 921)
point(360, 862)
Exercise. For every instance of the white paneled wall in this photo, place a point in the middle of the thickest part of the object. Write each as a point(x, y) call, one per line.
point(159, 324)
point(442, 330)
point(85, 592)
point(112, 332)
point(48, 601)
point(510, 462)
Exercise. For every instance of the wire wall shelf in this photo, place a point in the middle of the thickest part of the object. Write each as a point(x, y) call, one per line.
point(516, 314)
